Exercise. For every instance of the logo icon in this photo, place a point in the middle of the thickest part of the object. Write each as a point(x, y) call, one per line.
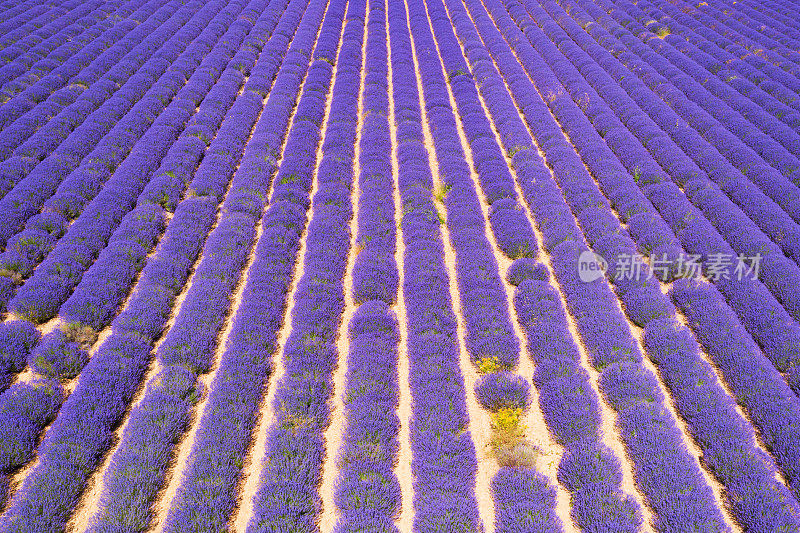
point(591, 266)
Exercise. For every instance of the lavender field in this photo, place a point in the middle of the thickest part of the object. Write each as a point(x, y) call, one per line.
point(367, 266)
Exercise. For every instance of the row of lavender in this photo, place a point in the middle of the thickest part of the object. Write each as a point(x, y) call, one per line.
point(168, 269)
point(58, 356)
point(292, 462)
point(368, 493)
point(522, 498)
point(700, 514)
point(23, 205)
point(778, 438)
point(444, 460)
point(684, 401)
point(139, 464)
point(190, 345)
point(105, 57)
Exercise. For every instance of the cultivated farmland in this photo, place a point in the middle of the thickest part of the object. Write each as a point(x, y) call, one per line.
point(479, 266)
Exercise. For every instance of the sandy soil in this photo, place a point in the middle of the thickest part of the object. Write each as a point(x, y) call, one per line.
point(479, 424)
point(405, 413)
point(609, 432)
point(251, 473)
point(479, 420)
point(688, 440)
point(183, 450)
point(89, 501)
point(537, 432)
point(338, 421)
point(759, 440)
